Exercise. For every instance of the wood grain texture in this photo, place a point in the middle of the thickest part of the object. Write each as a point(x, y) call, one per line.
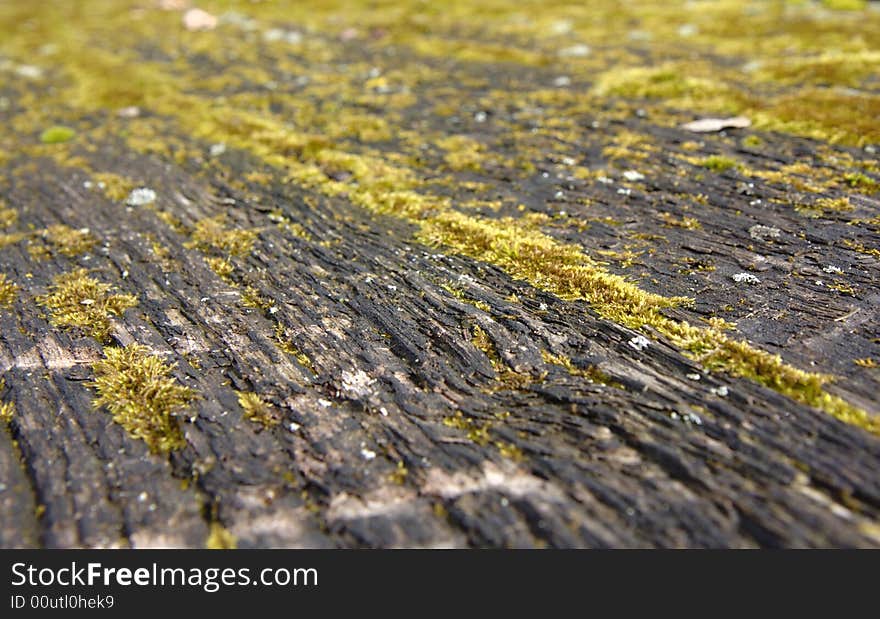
point(419, 397)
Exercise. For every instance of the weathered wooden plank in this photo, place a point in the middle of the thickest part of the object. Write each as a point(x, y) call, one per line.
point(376, 333)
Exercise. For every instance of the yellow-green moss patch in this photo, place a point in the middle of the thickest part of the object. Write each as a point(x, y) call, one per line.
point(57, 135)
point(76, 300)
point(8, 217)
point(212, 233)
point(8, 292)
point(256, 409)
point(141, 394)
point(69, 241)
point(219, 538)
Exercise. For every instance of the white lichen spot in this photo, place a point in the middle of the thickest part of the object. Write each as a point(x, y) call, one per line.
point(721, 392)
point(141, 197)
point(832, 269)
point(745, 278)
point(197, 19)
point(633, 175)
point(368, 454)
point(29, 71)
point(639, 342)
point(761, 233)
point(356, 384)
point(217, 149)
point(710, 125)
point(291, 37)
point(692, 418)
point(575, 51)
point(694, 376)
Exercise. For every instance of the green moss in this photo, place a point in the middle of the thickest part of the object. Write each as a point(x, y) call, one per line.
point(222, 267)
point(860, 181)
point(220, 538)
point(477, 432)
point(286, 346)
point(251, 297)
point(8, 292)
point(391, 183)
point(591, 373)
point(11, 238)
point(463, 153)
point(213, 233)
point(861, 248)
point(115, 187)
point(57, 135)
point(399, 475)
point(506, 377)
point(533, 256)
point(7, 412)
point(141, 394)
point(8, 217)
point(688, 223)
point(664, 82)
point(7, 409)
point(69, 241)
point(257, 410)
point(77, 300)
point(845, 5)
point(718, 163)
point(459, 294)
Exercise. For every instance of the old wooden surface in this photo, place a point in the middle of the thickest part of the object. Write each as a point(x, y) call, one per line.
point(409, 389)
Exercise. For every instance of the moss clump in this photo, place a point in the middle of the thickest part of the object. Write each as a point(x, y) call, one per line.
point(222, 267)
point(7, 409)
point(138, 390)
point(11, 238)
point(457, 292)
point(219, 538)
point(718, 163)
point(845, 5)
point(531, 255)
point(258, 410)
point(69, 241)
point(286, 346)
point(664, 82)
point(477, 432)
point(57, 135)
point(212, 233)
point(77, 300)
point(462, 153)
point(591, 373)
point(717, 352)
point(251, 297)
point(860, 181)
point(115, 187)
point(688, 223)
point(8, 292)
point(838, 116)
point(7, 412)
point(507, 378)
point(399, 475)
point(8, 217)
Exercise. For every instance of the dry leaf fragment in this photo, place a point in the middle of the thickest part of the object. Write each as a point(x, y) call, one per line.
point(709, 125)
point(197, 19)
